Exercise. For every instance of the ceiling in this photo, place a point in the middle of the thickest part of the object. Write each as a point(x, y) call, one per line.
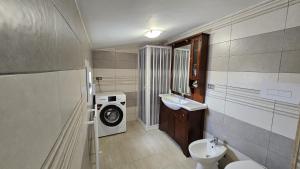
point(121, 23)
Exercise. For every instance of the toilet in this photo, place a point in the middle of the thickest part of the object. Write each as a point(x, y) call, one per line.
point(248, 164)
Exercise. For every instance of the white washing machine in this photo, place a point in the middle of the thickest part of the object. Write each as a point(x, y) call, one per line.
point(111, 113)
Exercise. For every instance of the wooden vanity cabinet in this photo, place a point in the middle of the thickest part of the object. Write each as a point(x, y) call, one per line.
point(182, 125)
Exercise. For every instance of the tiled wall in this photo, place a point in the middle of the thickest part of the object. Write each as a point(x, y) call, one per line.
point(119, 73)
point(43, 53)
point(244, 57)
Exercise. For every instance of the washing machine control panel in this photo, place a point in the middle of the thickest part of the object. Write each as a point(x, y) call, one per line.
point(105, 99)
point(112, 98)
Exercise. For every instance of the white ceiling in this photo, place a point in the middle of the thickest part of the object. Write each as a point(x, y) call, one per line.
point(117, 23)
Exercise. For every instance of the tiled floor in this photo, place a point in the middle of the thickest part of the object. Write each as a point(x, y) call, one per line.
point(138, 149)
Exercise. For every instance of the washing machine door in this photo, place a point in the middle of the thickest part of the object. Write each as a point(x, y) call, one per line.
point(111, 115)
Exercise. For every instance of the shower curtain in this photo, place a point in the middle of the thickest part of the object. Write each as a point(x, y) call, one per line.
point(154, 79)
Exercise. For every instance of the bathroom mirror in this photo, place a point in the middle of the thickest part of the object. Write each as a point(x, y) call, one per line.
point(181, 67)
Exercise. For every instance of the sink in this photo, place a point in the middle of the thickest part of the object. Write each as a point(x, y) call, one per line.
point(176, 102)
point(206, 157)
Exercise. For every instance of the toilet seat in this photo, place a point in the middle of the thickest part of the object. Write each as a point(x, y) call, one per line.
point(244, 165)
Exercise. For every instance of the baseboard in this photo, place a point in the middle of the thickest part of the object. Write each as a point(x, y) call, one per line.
point(146, 127)
point(153, 127)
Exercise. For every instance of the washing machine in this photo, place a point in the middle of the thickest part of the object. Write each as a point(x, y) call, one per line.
point(111, 113)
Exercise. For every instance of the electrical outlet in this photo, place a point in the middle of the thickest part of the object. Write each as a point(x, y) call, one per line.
point(211, 86)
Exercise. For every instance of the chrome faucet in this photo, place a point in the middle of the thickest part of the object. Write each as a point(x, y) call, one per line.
point(215, 140)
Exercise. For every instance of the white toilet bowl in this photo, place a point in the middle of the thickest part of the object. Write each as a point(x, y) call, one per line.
point(248, 164)
point(205, 158)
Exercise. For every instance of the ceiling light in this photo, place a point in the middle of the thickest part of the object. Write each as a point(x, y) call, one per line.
point(153, 33)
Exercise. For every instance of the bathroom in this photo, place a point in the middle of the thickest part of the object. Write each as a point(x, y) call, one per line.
point(205, 84)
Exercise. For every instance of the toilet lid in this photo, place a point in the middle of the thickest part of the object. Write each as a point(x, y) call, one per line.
point(244, 165)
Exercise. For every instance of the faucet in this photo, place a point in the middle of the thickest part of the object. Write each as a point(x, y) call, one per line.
point(215, 140)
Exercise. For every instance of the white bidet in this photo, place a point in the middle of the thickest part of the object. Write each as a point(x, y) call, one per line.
point(207, 157)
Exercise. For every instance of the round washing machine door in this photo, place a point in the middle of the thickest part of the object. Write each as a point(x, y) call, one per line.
point(111, 115)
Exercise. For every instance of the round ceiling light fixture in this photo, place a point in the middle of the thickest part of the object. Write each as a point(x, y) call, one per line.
point(153, 33)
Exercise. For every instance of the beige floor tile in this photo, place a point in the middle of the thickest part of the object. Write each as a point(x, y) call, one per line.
point(138, 149)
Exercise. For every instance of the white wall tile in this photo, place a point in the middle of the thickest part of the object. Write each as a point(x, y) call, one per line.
point(217, 77)
point(293, 18)
point(269, 22)
point(30, 118)
point(108, 83)
point(105, 85)
point(124, 80)
point(251, 80)
point(256, 117)
point(126, 86)
point(69, 92)
point(127, 73)
point(285, 126)
point(220, 35)
point(289, 78)
point(215, 104)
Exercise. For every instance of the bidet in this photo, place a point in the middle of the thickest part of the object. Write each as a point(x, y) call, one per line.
point(206, 157)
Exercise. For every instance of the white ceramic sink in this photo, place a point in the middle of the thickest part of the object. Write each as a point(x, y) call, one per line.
point(206, 157)
point(176, 102)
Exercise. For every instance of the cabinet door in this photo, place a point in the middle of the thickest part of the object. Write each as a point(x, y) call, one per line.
point(163, 118)
point(181, 129)
point(170, 130)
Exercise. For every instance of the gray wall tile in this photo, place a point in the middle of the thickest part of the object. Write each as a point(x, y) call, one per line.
point(219, 49)
point(24, 47)
point(131, 98)
point(276, 161)
point(292, 39)
point(104, 59)
point(69, 10)
point(217, 63)
point(68, 47)
point(48, 44)
point(254, 151)
point(266, 63)
point(126, 60)
point(247, 132)
point(290, 62)
point(214, 117)
point(214, 123)
point(281, 145)
point(263, 43)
